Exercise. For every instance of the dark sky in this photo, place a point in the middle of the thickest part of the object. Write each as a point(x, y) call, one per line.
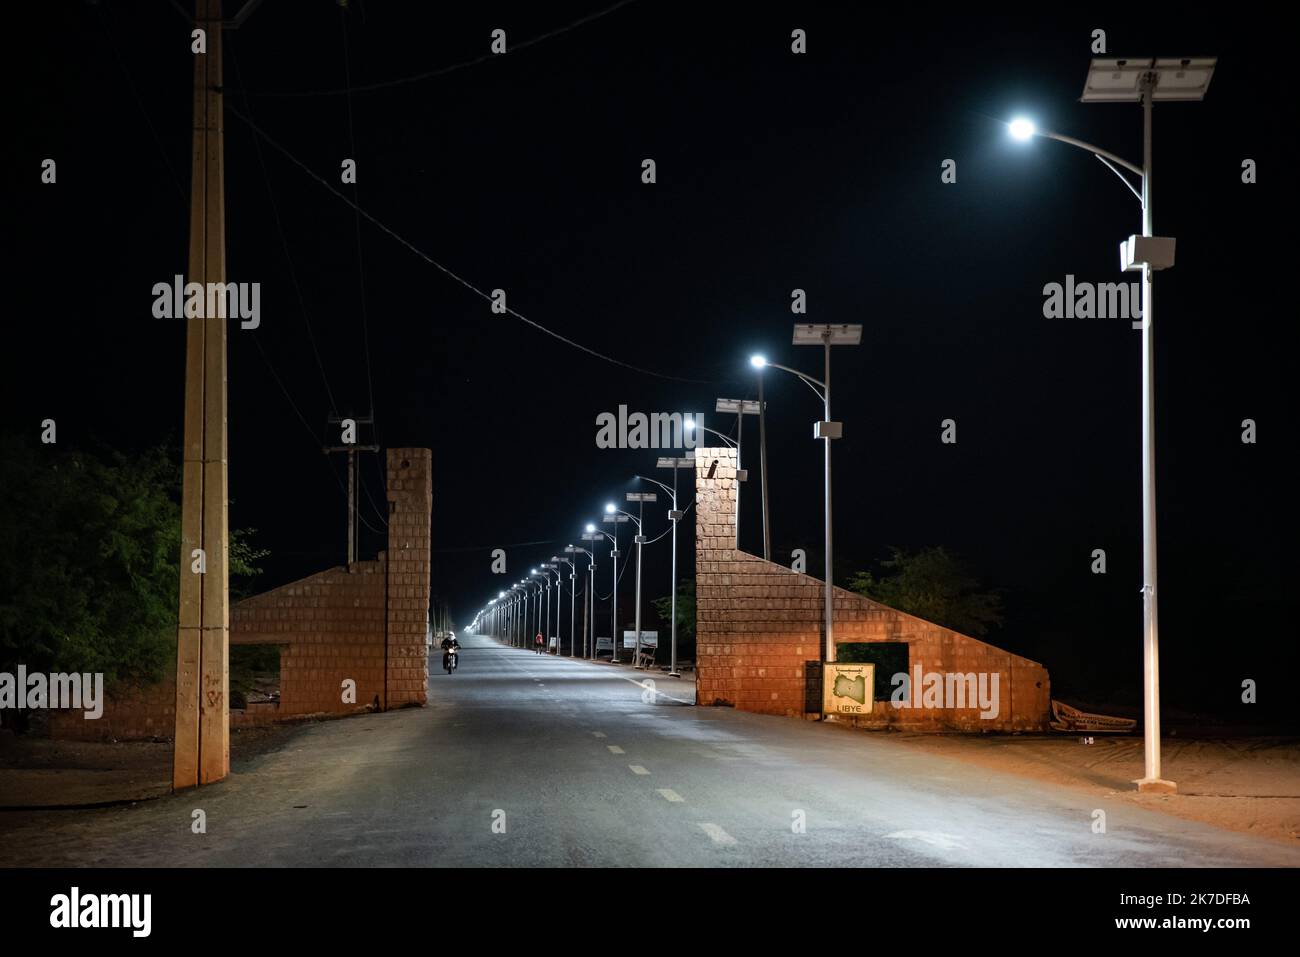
point(775, 171)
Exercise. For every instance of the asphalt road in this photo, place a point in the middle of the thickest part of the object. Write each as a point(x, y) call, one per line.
point(526, 760)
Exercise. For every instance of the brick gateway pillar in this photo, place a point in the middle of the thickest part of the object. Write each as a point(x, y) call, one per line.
point(410, 503)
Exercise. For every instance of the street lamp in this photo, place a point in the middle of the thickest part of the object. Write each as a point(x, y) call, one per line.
point(640, 498)
point(742, 408)
point(549, 569)
point(825, 336)
point(573, 594)
point(611, 515)
point(593, 535)
point(1142, 80)
point(591, 597)
point(541, 588)
point(674, 515)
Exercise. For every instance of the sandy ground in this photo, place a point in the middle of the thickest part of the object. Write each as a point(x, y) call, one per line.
point(1243, 784)
point(36, 772)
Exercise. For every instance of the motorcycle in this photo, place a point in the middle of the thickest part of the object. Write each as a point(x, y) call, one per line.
point(449, 661)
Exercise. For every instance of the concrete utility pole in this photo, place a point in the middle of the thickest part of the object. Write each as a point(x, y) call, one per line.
point(353, 479)
point(201, 752)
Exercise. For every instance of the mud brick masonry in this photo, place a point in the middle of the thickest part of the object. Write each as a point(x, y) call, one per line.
point(759, 632)
point(365, 621)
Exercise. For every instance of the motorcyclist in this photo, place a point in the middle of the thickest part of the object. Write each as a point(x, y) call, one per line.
point(450, 646)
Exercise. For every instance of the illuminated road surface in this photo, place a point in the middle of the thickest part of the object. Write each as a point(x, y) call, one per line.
point(527, 760)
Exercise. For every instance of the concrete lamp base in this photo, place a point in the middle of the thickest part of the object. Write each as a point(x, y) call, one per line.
point(1156, 786)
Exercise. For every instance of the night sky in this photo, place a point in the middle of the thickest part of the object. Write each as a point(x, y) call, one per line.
point(775, 171)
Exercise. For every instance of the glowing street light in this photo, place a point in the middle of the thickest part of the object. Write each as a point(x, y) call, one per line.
point(1143, 80)
point(1021, 128)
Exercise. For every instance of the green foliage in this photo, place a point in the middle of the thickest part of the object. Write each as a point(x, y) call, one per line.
point(685, 608)
point(935, 585)
point(90, 560)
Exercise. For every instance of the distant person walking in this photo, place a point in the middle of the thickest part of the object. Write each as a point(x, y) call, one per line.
point(540, 643)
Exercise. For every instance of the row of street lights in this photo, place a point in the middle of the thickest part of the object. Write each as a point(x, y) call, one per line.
point(1140, 80)
point(509, 614)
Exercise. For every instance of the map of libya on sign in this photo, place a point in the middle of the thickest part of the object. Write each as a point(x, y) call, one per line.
point(848, 687)
point(855, 688)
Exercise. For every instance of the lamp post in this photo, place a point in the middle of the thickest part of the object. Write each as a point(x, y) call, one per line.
point(742, 408)
point(674, 515)
point(573, 592)
point(612, 516)
point(1142, 80)
point(548, 570)
point(593, 535)
point(640, 498)
point(541, 588)
point(591, 597)
point(826, 430)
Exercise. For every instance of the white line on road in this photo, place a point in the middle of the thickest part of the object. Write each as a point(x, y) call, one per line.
point(637, 769)
point(638, 683)
point(718, 834)
point(614, 749)
point(599, 734)
point(668, 794)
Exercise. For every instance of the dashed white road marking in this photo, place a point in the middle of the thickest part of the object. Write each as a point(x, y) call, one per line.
point(599, 734)
point(668, 794)
point(614, 749)
point(637, 769)
point(718, 834)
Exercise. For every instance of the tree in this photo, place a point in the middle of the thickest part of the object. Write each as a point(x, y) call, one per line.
point(685, 608)
point(90, 560)
point(935, 585)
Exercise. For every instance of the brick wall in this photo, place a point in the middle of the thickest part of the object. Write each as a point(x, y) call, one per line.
point(330, 628)
point(364, 621)
point(759, 624)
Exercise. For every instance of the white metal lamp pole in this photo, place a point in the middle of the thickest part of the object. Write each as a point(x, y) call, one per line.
point(826, 430)
point(1144, 81)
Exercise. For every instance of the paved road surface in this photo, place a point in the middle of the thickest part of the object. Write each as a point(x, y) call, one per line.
point(580, 767)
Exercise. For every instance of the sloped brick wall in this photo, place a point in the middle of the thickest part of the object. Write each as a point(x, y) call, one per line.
point(330, 627)
point(759, 624)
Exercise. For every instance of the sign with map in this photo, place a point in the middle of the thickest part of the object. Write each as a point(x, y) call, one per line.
point(848, 688)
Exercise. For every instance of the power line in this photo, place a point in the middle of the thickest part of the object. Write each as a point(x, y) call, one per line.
point(284, 243)
point(117, 54)
point(356, 191)
point(441, 71)
point(448, 272)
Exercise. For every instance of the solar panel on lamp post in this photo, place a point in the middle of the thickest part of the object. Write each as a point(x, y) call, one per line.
point(824, 335)
point(1144, 80)
point(742, 408)
point(674, 515)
